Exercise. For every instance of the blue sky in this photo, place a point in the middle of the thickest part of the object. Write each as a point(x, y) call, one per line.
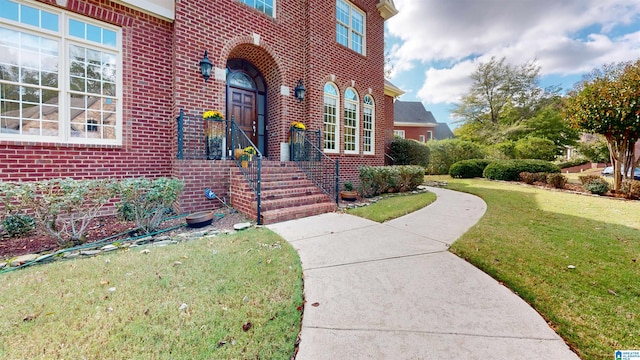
point(435, 45)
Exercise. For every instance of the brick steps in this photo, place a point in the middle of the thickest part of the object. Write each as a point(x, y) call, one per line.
point(287, 194)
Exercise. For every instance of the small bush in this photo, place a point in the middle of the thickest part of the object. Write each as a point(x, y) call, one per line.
point(556, 180)
point(409, 152)
point(375, 180)
point(467, 169)
point(631, 188)
point(18, 225)
point(598, 186)
point(509, 170)
point(148, 199)
point(541, 177)
point(585, 179)
point(527, 177)
point(444, 153)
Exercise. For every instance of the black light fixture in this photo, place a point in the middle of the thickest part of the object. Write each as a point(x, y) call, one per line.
point(299, 91)
point(206, 66)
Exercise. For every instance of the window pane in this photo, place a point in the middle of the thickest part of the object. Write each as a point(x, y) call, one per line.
point(356, 21)
point(49, 21)
point(94, 33)
point(9, 10)
point(29, 15)
point(109, 37)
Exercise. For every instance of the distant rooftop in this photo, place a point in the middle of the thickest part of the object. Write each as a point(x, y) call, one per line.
point(412, 112)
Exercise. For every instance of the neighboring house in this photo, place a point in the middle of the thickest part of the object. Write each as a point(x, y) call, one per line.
point(443, 131)
point(413, 121)
point(92, 89)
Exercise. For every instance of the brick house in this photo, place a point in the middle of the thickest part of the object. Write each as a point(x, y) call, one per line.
point(93, 88)
point(413, 121)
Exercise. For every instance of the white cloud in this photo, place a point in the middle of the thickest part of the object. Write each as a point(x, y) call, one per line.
point(565, 36)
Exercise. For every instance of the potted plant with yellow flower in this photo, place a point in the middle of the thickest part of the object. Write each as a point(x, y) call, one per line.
point(214, 130)
point(297, 140)
point(246, 156)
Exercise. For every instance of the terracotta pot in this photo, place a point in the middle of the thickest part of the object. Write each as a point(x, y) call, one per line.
point(349, 195)
point(199, 219)
point(245, 163)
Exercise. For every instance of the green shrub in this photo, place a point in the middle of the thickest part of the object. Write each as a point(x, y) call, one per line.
point(556, 180)
point(585, 179)
point(631, 188)
point(541, 177)
point(409, 152)
point(596, 150)
point(573, 162)
point(148, 199)
point(444, 153)
point(17, 225)
point(535, 148)
point(467, 169)
point(598, 186)
point(506, 148)
point(527, 177)
point(64, 208)
point(375, 180)
point(509, 170)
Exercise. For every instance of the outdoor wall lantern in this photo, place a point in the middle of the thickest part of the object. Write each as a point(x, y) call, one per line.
point(299, 91)
point(206, 66)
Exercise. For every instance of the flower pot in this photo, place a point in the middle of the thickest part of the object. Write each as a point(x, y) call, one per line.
point(244, 163)
point(349, 195)
point(199, 219)
point(237, 153)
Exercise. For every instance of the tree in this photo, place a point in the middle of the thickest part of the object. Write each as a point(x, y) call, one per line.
point(496, 85)
point(607, 102)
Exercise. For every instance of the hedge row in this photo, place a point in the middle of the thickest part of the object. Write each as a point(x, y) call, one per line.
point(375, 180)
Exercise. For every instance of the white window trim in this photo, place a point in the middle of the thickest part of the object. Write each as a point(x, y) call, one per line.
point(422, 138)
point(350, 28)
point(64, 41)
point(338, 122)
point(373, 124)
point(253, 7)
point(399, 133)
point(355, 102)
point(429, 135)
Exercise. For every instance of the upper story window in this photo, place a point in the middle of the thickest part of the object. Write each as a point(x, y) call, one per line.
point(330, 117)
point(60, 77)
point(350, 26)
point(266, 6)
point(351, 122)
point(368, 125)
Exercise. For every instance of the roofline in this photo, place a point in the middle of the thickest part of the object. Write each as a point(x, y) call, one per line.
point(392, 90)
point(425, 125)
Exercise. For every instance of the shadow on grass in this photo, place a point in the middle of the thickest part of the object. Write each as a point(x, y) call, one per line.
point(580, 272)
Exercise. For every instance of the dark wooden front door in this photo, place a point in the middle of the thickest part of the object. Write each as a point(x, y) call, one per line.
point(242, 104)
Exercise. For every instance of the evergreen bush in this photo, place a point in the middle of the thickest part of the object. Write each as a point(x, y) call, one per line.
point(409, 152)
point(444, 153)
point(509, 170)
point(467, 169)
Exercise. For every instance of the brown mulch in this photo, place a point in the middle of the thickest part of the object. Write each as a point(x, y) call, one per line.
point(103, 227)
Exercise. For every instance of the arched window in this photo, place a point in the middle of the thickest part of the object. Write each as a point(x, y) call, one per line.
point(351, 123)
point(330, 115)
point(368, 125)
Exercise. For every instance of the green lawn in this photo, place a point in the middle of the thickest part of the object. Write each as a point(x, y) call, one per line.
point(393, 206)
point(529, 238)
point(129, 305)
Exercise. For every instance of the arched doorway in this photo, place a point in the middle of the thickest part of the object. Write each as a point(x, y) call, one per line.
point(247, 100)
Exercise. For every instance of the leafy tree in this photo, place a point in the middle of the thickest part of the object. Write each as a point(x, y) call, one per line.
point(496, 86)
point(535, 148)
point(596, 149)
point(444, 153)
point(607, 102)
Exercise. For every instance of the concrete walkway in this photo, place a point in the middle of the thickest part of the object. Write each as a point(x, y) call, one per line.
point(393, 291)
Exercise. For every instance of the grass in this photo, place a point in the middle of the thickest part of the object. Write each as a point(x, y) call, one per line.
point(394, 206)
point(529, 238)
point(126, 305)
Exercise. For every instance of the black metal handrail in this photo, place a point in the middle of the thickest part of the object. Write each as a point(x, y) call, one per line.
point(310, 158)
point(211, 139)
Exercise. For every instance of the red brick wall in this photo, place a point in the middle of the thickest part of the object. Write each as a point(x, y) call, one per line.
point(413, 132)
point(147, 114)
point(198, 175)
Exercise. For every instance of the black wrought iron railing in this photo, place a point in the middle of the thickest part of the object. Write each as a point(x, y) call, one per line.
point(210, 139)
point(306, 151)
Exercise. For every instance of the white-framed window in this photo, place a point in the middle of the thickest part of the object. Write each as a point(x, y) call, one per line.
point(331, 121)
point(350, 26)
point(429, 135)
point(399, 133)
point(368, 125)
point(266, 6)
point(351, 123)
point(421, 138)
point(60, 76)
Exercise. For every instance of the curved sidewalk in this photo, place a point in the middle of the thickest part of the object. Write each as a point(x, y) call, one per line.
point(393, 291)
